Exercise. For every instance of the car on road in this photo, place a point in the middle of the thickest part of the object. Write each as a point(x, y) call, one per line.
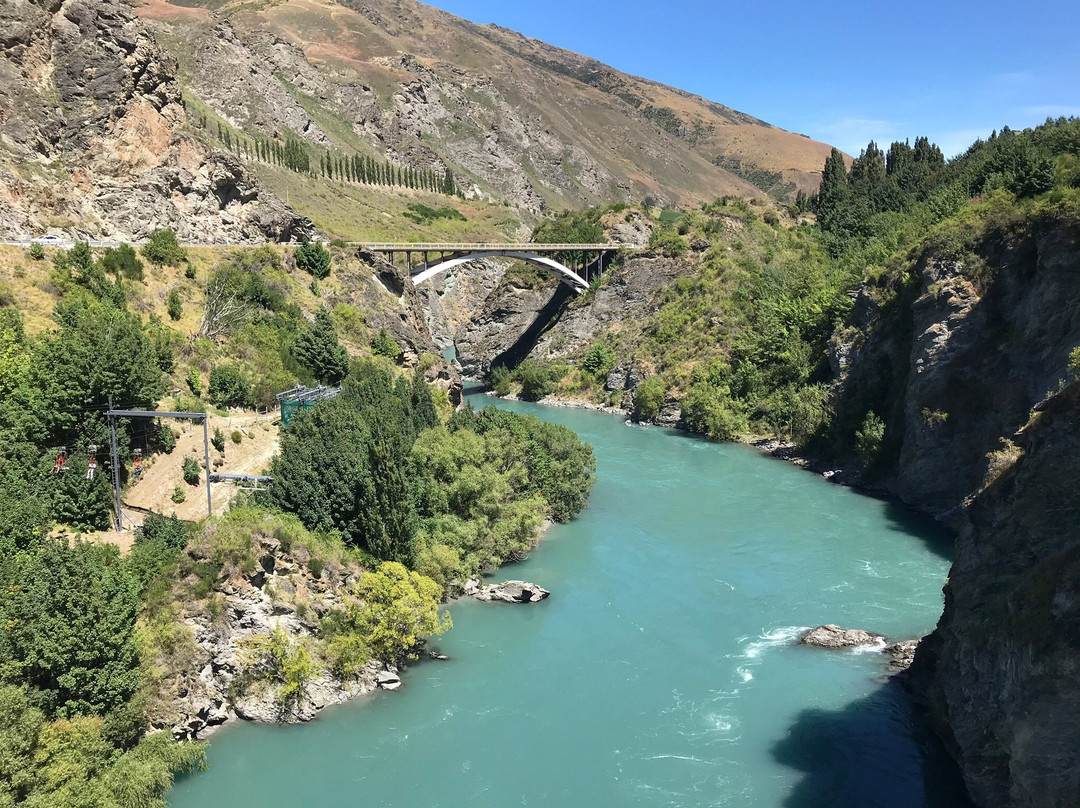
point(48, 241)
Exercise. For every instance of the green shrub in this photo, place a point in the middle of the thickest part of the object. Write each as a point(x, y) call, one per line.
point(869, 437)
point(314, 259)
point(123, 262)
point(166, 438)
point(229, 388)
point(194, 380)
point(711, 411)
point(37, 252)
point(178, 494)
point(189, 271)
point(535, 379)
point(236, 436)
point(649, 398)
point(218, 439)
point(191, 471)
point(279, 660)
point(501, 380)
point(1074, 362)
point(163, 249)
point(174, 305)
point(668, 243)
point(599, 360)
point(382, 344)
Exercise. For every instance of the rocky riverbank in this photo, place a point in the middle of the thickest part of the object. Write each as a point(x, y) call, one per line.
point(211, 676)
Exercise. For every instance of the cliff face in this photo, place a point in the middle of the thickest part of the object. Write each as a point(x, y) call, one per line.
point(981, 430)
point(1000, 672)
point(952, 366)
point(92, 121)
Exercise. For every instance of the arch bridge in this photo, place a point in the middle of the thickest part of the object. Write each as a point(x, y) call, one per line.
point(573, 264)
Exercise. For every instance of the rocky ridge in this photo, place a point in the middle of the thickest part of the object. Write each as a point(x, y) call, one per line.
point(210, 679)
point(93, 122)
point(955, 364)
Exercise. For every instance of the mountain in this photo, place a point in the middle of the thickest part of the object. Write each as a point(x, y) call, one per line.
point(515, 118)
point(117, 120)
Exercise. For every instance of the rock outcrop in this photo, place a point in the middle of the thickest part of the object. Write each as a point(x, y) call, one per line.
point(1000, 673)
point(953, 365)
point(832, 636)
point(210, 678)
point(96, 139)
point(507, 592)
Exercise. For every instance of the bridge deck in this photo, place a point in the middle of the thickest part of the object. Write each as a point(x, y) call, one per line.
point(467, 248)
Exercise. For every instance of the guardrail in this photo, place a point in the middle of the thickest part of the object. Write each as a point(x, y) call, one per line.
point(449, 247)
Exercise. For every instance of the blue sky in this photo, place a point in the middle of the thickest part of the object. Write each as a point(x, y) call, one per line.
point(842, 72)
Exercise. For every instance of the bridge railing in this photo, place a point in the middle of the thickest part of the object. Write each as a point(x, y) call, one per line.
point(448, 247)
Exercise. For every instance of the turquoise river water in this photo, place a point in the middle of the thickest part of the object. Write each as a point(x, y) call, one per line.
point(661, 671)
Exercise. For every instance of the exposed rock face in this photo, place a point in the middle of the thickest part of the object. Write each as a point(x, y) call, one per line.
point(93, 123)
point(901, 654)
point(507, 592)
point(1000, 673)
point(210, 685)
point(832, 636)
point(957, 367)
point(506, 315)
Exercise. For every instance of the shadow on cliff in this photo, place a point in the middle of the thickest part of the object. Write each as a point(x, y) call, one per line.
point(938, 539)
point(551, 312)
point(876, 752)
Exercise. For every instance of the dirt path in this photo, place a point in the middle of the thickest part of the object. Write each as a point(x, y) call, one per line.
point(162, 474)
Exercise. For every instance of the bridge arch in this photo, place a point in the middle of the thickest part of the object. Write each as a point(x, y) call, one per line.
point(435, 266)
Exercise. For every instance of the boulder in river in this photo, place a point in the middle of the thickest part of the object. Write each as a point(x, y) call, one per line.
point(508, 592)
point(830, 636)
point(901, 654)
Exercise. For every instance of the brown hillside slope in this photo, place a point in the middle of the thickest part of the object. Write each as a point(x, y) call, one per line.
point(514, 118)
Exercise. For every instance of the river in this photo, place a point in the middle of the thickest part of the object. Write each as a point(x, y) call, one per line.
point(661, 671)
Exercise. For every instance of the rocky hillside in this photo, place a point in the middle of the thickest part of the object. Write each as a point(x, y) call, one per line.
point(954, 354)
point(409, 83)
point(999, 674)
point(92, 123)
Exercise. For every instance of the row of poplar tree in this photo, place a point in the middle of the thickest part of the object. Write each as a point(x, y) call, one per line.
point(293, 154)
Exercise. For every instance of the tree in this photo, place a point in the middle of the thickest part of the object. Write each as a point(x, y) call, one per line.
point(99, 351)
point(173, 305)
point(163, 249)
point(399, 607)
point(228, 387)
point(322, 467)
point(314, 259)
point(382, 344)
point(76, 763)
point(69, 628)
point(834, 187)
point(317, 348)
